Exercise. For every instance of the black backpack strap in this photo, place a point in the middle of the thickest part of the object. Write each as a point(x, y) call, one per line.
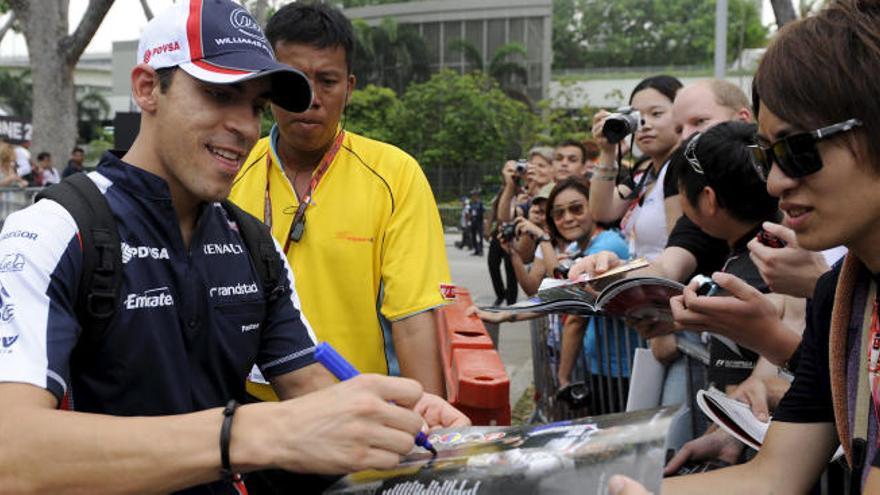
point(101, 276)
point(258, 241)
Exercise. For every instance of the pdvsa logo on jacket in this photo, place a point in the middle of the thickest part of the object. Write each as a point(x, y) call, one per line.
point(130, 252)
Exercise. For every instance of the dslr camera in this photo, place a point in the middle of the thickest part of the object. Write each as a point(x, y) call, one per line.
point(621, 124)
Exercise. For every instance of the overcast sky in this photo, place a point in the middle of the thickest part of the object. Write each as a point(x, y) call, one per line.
point(126, 20)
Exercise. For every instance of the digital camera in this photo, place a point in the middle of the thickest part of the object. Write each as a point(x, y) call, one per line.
point(508, 231)
point(521, 165)
point(621, 124)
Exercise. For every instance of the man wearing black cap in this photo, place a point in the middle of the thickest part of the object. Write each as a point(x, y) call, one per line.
point(147, 392)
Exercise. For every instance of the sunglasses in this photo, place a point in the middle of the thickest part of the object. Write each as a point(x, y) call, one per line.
point(797, 155)
point(576, 209)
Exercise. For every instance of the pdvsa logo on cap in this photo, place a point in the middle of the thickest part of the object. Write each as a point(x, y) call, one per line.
point(245, 24)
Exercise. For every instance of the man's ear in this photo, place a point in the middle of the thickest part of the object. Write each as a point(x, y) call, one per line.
point(352, 82)
point(145, 87)
point(709, 201)
point(744, 115)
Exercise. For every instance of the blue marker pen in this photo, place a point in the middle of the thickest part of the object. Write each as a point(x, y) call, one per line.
point(343, 370)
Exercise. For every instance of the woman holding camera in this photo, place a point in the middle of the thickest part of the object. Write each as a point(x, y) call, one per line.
point(647, 207)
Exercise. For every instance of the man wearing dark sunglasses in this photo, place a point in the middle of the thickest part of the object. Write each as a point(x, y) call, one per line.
point(796, 154)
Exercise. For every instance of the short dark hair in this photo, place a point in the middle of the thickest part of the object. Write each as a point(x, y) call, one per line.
point(668, 86)
point(728, 168)
point(315, 24)
point(575, 182)
point(577, 144)
point(43, 155)
point(823, 69)
point(166, 75)
point(77, 148)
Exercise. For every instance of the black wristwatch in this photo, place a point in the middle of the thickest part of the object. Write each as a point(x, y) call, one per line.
point(543, 238)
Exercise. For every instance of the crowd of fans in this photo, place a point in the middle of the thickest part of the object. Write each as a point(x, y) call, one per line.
point(702, 197)
point(19, 169)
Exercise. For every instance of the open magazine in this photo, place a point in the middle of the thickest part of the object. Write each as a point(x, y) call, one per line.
point(612, 293)
point(576, 456)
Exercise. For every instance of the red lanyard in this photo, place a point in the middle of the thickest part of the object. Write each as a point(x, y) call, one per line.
point(636, 201)
point(298, 225)
point(873, 364)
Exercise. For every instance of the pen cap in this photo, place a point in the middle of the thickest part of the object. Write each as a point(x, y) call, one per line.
point(334, 362)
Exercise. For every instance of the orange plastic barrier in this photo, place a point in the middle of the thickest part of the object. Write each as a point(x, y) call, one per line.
point(476, 381)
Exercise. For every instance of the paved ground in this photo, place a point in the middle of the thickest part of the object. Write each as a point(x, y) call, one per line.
point(472, 273)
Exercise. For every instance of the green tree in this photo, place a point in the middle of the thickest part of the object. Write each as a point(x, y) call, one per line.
point(53, 51)
point(455, 124)
point(621, 33)
point(506, 66)
point(390, 55)
point(93, 109)
point(567, 121)
point(371, 112)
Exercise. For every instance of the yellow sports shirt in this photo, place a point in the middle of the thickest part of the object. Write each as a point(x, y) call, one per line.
point(373, 242)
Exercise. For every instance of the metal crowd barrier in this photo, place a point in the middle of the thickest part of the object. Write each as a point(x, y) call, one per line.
point(15, 198)
point(604, 392)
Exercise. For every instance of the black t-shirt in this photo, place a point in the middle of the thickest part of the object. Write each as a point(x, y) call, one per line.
point(809, 398)
point(732, 365)
point(709, 251)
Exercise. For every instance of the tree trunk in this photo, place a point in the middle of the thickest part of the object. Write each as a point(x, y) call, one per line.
point(784, 11)
point(261, 9)
point(53, 55)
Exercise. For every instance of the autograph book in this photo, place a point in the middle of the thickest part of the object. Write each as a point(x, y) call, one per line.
point(576, 456)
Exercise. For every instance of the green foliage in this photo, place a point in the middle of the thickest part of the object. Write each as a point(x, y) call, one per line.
point(565, 123)
point(371, 112)
point(505, 67)
point(102, 142)
point(389, 55)
point(93, 109)
point(266, 122)
point(452, 121)
point(15, 92)
point(622, 33)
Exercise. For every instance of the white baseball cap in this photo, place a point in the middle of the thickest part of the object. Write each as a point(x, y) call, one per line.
point(217, 41)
